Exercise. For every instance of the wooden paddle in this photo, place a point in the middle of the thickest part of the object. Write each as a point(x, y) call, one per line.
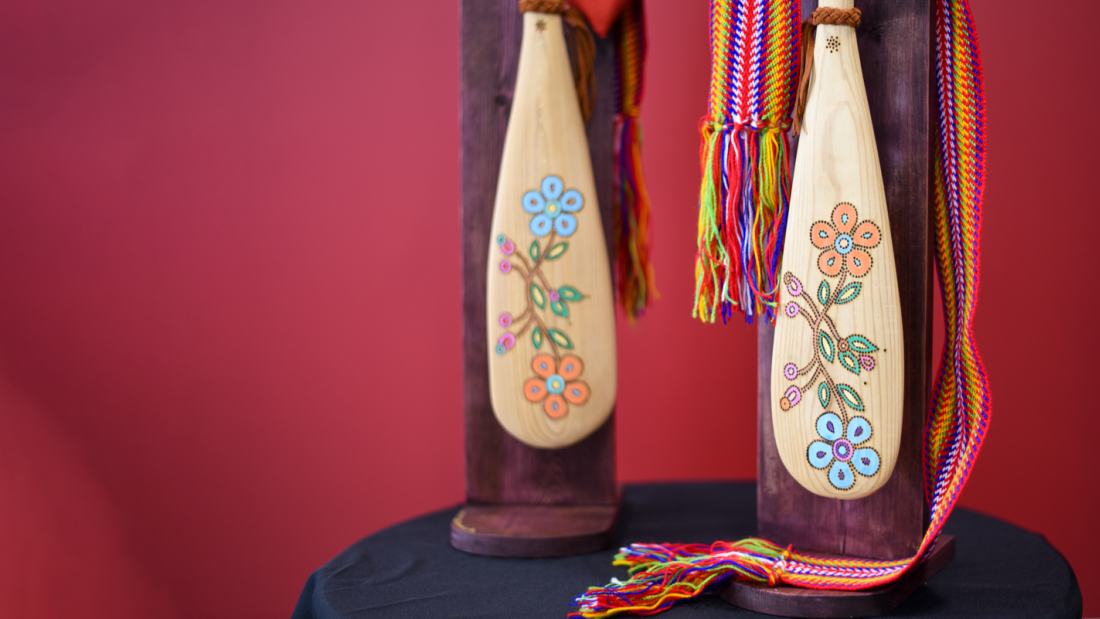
point(552, 366)
point(837, 361)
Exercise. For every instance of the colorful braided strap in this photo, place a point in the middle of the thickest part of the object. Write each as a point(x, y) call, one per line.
point(635, 286)
point(744, 156)
point(959, 415)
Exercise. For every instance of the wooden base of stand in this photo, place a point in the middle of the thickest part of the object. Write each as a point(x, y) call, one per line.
point(796, 602)
point(533, 530)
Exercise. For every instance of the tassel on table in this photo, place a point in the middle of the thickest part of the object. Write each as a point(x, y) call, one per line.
point(662, 575)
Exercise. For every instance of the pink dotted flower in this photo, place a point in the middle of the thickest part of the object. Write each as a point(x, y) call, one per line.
point(790, 371)
point(793, 285)
point(505, 320)
point(791, 397)
point(506, 266)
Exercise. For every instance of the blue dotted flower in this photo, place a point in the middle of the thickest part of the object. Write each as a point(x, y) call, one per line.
point(552, 207)
point(839, 449)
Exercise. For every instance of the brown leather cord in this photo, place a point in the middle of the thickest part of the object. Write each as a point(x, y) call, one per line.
point(541, 6)
point(836, 17)
point(823, 15)
point(583, 60)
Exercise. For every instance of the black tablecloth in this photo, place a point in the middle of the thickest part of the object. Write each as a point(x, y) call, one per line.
point(410, 570)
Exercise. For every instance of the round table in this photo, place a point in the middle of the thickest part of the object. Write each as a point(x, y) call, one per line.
point(411, 570)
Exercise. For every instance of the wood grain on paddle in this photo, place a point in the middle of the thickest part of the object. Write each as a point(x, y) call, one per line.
point(549, 286)
point(838, 345)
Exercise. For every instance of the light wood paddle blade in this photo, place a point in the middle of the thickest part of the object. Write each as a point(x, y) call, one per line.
point(837, 361)
point(552, 366)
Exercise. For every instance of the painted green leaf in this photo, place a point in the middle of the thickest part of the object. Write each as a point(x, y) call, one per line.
point(823, 395)
point(536, 338)
point(850, 397)
point(823, 292)
point(561, 339)
point(849, 293)
point(825, 343)
point(848, 360)
point(861, 344)
point(569, 293)
point(556, 251)
point(534, 251)
point(560, 308)
point(538, 296)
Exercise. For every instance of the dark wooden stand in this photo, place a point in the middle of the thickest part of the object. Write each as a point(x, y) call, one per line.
point(896, 51)
point(521, 501)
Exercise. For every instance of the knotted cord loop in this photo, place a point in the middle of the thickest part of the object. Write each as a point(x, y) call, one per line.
point(541, 6)
point(836, 17)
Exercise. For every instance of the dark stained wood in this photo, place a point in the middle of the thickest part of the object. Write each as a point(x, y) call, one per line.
point(895, 52)
point(533, 530)
point(500, 469)
point(795, 602)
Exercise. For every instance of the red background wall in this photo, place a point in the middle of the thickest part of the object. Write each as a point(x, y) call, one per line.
point(230, 307)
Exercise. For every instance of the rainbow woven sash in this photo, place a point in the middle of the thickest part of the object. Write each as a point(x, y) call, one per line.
point(959, 415)
point(635, 286)
point(744, 156)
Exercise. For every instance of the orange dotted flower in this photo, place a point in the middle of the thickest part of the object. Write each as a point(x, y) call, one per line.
point(557, 385)
point(844, 242)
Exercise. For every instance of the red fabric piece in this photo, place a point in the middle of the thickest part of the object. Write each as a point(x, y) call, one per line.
point(601, 14)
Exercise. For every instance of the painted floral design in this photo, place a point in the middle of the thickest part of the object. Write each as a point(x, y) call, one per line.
point(552, 208)
point(557, 385)
point(854, 352)
point(844, 242)
point(838, 447)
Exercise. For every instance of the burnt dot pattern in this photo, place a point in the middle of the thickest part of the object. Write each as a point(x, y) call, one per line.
point(832, 44)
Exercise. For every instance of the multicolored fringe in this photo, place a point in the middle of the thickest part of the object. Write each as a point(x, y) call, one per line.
point(960, 410)
point(744, 156)
point(635, 274)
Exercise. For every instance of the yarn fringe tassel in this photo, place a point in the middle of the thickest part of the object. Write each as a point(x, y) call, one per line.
point(743, 204)
point(665, 574)
point(745, 157)
point(635, 285)
point(636, 288)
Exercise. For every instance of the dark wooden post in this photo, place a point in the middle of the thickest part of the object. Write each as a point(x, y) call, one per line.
point(896, 54)
point(574, 486)
point(896, 50)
